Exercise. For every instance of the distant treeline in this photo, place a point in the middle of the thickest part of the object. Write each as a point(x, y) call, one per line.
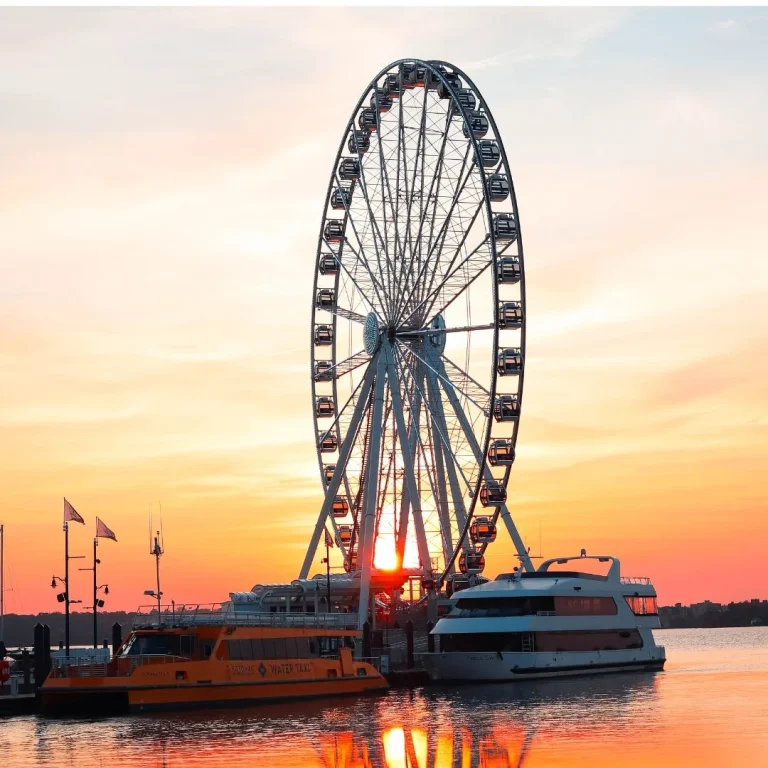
point(19, 628)
point(731, 615)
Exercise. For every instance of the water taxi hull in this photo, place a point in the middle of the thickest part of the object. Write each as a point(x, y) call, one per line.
point(114, 697)
point(511, 667)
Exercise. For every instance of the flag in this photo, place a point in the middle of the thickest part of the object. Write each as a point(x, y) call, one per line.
point(70, 513)
point(328, 539)
point(104, 532)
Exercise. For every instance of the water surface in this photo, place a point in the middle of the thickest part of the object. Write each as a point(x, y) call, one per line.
point(709, 708)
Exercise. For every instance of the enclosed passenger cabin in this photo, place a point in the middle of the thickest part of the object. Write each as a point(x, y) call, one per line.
point(456, 583)
point(433, 81)
point(501, 453)
point(477, 125)
point(413, 76)
point(508, 270)
point(327, 442)
point(467, 100)
point(510, 361)
point(490, 154)
point(323, 368)
point(334, 230)
point(368, 119)
point(493, 492)
point(359, 141)
point(341, 198)
point(323, 335)
point(350, 562)
point(345, 534)
point(349, 169)
point(482, 530)
point(392, 85)
point(506, 408)
point(328, 264)
point(505, 226)
point(324, 407)
point(328, 471)
point(380, 100)
point(510, 314)
point(471, 562)
point(325, 298)
point(498, 187)
point(340, 506)
point(452, 79)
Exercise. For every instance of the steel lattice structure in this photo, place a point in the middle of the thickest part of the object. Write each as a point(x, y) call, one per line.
point(418, 330)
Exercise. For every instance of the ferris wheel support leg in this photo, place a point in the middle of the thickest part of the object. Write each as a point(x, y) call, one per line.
point(522, 552)
point(410, 477)
point(405, 502)
point(442, 490)
point(450, 466)
point(341, 464)
point(371, 493)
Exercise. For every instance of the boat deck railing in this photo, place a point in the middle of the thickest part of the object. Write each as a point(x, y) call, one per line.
point(635, 580)
point(215, 614)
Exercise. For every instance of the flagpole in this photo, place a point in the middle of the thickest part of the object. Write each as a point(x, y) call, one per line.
point(95, 589)
point(66, 586)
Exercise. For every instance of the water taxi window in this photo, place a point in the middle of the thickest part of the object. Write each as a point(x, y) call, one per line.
point(642, 606)
point(153, 645)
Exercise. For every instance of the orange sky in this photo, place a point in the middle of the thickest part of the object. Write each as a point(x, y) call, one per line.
point(159, 217)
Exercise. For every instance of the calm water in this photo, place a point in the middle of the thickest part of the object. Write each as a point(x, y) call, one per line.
point(709, 708)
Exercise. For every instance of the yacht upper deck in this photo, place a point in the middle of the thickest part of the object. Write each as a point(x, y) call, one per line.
point(224, 614)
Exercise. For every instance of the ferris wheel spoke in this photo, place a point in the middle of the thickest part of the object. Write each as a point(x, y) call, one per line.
point(407, 334)
point(354, 282)
point(457, 281)
point(378, 238)
point(411, 285)
point(361, 259)
point(419, 153)
point(441, 375)
point(468, 383)
point(347, 314)
point(344, 367)
point(440, 426)
point(465, 234)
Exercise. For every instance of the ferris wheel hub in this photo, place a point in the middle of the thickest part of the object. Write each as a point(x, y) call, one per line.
point(371, 335)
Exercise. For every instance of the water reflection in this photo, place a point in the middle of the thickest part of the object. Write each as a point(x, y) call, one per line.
point(692, 714)
point(470, 727)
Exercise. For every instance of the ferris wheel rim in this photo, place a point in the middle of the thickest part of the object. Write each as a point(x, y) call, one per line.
point(434, 68)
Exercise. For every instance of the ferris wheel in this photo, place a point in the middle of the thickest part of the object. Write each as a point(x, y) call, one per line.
point(418, 331)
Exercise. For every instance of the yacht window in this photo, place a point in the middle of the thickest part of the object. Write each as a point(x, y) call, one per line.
point(503, 606)
point(585, 606)
point(588, 641)
point(642, 606)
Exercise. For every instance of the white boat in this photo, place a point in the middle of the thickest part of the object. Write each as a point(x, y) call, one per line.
point(548, 623)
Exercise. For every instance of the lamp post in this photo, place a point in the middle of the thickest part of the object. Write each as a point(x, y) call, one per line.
point(96, 602)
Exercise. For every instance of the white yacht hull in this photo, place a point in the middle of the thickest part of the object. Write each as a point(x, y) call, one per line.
point(485, 667)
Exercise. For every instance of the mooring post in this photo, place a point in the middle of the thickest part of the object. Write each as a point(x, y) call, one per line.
point(409, 643)
point(430, 637)
point(117, 636)
point(39, 656)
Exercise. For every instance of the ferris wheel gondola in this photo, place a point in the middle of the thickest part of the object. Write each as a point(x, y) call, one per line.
point(418, 329)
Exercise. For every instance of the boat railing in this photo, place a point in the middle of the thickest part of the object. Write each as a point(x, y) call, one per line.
point(635, 580)
point(77, 666)
point(546, 613)
point(214, 614)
